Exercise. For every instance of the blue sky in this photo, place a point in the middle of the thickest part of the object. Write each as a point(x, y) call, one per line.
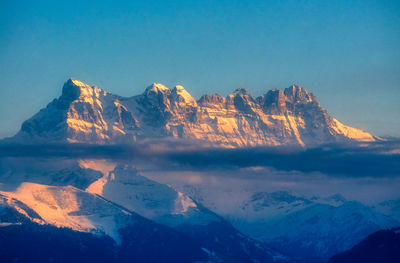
point(345, 52)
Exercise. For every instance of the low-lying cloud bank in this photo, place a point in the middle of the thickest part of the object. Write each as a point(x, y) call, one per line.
point(378, 159)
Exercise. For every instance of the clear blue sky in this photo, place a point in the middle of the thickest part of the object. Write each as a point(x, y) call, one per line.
point(345, 52)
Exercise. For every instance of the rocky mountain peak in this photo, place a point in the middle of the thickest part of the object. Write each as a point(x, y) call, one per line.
point(296, 94)
point(239, 92)
point(241, 100)
point(157, 95)
point(74, 89)
point(213, 100)
point(178, 89)
point(157, 88)
point(180, 96)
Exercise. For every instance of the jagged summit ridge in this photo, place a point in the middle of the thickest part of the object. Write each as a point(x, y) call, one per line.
point(91, 115)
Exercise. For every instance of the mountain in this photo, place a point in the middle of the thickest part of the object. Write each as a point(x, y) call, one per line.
point(163, 204)
point(91, 115)
point(111, 200)
point(380, 247)
point(322, 230)
point(309, 229)
point(109, 205)
point(55, 232)
point(390, 208)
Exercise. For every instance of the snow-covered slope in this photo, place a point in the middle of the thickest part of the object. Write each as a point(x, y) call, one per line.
point(322, 230)
point(307, 228)
point(67, 206)
point(92, 115)
point(159, 202)
point(100, 197)
point(64, 224)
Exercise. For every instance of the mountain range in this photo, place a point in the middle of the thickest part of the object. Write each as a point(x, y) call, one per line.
point(91, 115)
point(307, 228)
point(106, 210)
point(96, 197)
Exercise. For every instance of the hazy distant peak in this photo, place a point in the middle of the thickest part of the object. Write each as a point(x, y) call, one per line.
point(337, 198)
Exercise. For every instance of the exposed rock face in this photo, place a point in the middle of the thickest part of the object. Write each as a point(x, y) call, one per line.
point(274, 102)
point(211, 101)
point(92, 115)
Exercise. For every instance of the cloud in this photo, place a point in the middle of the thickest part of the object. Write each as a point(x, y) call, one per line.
point(379, 159)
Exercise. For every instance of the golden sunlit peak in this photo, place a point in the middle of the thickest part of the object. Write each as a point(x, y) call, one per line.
point(159, 86)
point(77, 82)
point(73, 89)
point(179, 87)
point(180, 90)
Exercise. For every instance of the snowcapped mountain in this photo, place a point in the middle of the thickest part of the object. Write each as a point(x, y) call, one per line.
point(122, 209)
point(161, 203)
point(67, 206)
point(92, 115)
point(111, 199)
point(311, 229)
point(322, 230)
point(125, 186)
point(66, 224)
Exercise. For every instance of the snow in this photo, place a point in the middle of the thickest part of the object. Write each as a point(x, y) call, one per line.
point(352, 133)
point(79, 83)
point(156, 201)
point(63, 205)
point(287, 219)
point(67, 206)
point(4, 224)
point(103, 166)
point(187, 98)
point(183, 203)
point(158, 87)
